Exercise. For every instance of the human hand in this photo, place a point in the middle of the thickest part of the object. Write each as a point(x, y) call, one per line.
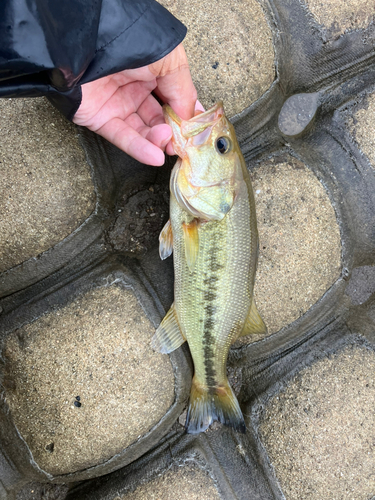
point(121, 108)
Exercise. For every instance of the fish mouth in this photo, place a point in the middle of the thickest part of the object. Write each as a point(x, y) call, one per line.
point(197, 124)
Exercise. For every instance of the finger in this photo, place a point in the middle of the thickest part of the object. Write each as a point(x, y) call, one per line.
point(179, 92)
point(159, 134)
point(151, 111)
point(174, 83)
point(169, 149)
point(121, 103)
point(198, 109)
point(122, 135)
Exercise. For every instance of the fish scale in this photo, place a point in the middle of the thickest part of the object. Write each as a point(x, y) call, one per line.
point(233, 286)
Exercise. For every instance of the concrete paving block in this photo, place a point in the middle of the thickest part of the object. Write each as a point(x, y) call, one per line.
point(341, 16)
point(46, 190)
point(82, 382)
point(229, 48)
point(319, 432)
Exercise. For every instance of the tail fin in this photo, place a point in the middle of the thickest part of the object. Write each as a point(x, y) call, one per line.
point(214, 403)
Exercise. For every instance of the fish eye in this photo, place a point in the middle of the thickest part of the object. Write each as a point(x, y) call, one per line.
point(223, 145)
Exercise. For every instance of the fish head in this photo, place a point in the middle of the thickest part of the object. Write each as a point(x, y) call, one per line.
point(210, 172)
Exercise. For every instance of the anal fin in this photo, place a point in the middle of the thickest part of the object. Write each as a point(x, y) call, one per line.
point(191, 238)
point(166, 241)
point(168, 336)
point(254, 324)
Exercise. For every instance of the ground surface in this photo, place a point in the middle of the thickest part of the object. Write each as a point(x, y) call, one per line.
point(318, 431)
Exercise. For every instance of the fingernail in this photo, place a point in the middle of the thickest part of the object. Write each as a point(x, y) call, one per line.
point(199, 107)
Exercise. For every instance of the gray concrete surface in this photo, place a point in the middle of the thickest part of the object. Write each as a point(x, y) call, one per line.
point(46, 190)
point(38, 491)
point(319, 431)
point(182, 482)
point(97, 348)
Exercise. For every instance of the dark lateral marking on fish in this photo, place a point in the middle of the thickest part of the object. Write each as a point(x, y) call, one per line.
point(215, 266)
point(209, 368)
point(210, 295)
point(211, 280)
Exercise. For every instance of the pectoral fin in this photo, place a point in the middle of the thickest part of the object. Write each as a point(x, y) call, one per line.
point(168, 336)
point(191, 238)
point(166, 241)
point(254, 323)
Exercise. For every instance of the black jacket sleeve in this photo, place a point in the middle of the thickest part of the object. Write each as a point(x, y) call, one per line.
point(50, 47)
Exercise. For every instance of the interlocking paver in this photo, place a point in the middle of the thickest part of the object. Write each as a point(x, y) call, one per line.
point(319, 432)
point(46, 190)
point(96, 348)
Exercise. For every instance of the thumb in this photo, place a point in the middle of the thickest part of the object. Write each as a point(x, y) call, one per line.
point(174, 83)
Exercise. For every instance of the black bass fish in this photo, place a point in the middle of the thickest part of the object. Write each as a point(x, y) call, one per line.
point(212, 232)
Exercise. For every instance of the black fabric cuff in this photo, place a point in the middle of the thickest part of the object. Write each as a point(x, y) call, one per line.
point(122, 35)
point(66, 102)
